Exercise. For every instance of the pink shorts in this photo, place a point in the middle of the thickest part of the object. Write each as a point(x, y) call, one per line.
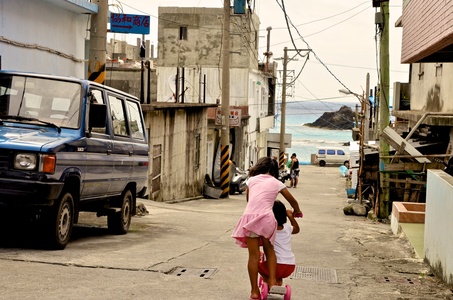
point(283, 270)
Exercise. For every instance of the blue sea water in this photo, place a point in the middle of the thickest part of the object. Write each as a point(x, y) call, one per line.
point(305, 139)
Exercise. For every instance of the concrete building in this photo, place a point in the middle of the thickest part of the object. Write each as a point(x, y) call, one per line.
point(45, 36)
point(190, 62)
point(427, 101)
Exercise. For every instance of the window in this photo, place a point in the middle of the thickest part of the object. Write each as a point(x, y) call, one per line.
point(321, 151)
point(157, 166)
point(340, 152)
point(98, 97)
point(118, 116)
point(330, 152)
point(183, 33)
point(438, 70)
point(421, 71)
point(135, 121)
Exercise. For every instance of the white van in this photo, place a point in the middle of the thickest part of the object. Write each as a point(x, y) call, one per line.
point(330, 155)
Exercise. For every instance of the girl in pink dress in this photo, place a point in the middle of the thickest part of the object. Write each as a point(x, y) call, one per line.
point(258, 226)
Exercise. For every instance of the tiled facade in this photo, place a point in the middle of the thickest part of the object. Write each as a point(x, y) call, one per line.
point(427, 28)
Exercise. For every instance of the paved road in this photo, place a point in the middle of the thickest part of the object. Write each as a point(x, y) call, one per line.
point(338, 256)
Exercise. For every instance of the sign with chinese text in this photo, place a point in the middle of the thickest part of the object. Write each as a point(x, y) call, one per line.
point(235, 117)
point(123, 23)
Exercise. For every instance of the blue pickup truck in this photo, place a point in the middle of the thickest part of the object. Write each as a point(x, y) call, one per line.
point(69, 145)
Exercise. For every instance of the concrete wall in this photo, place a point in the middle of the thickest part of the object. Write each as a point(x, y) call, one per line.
point(129, 81)
point(182, 136)
point(431, 88)
point(438, 244)
point(426, 28)
point(203, 45)
point(58, 31)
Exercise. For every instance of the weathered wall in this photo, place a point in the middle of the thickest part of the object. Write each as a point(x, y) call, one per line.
point(129, 81)
point(427, 28)
point(203, 46)
point(438, 244)
point(182, 136)
point(431, 88)
point(27, 23)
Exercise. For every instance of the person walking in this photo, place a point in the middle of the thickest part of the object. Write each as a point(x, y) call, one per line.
point(294, 171)
point(257, 225)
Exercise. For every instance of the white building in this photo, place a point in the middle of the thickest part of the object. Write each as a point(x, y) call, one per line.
point(190, 48)
point(45, 36)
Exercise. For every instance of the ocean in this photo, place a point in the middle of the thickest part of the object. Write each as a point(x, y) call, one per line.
point(305, 139)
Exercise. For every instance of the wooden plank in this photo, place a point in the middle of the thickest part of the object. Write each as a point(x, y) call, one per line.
point(396, 141)
point(414, 166)
point(393, 180)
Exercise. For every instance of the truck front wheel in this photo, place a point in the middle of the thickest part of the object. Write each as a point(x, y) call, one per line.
point(60, 220)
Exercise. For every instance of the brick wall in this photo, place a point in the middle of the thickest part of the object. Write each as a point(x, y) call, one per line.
point(427, 28)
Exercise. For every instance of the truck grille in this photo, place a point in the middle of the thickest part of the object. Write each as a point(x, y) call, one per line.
point(4, 159)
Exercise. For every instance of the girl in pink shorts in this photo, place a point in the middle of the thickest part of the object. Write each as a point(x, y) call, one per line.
point(258, 226)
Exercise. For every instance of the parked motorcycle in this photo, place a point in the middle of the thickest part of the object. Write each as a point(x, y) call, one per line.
point(238, 180)
point(283, 175)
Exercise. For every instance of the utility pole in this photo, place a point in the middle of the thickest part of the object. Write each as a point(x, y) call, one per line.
point(98, 41)
point(281, 159)
point(225, 109)
point(268, 53)
point(384, 113)
point(366, 134)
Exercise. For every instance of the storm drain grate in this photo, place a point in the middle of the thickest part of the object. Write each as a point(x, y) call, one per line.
point(398, 280)
point(316, 274)
point(202, 273)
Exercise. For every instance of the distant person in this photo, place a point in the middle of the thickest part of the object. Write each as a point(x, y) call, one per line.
point(344, 169)
point(294, 171)
point(258, 226)
point(286, 261)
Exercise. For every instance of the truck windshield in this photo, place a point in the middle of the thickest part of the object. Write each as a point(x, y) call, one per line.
point(50, 101)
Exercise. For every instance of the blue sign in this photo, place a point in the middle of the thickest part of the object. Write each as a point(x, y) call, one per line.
point(239, 7)
point(123, 23)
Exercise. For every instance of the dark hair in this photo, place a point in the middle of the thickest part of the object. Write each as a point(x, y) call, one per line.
point(294, 154)
point(265, 165)
point(279, 210)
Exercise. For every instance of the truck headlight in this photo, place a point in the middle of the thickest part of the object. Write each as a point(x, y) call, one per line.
point(25, 161)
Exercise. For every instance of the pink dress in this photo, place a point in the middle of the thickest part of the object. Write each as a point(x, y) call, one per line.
point(258, 216)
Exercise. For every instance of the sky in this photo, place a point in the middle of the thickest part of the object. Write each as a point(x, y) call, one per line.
point(340, 34)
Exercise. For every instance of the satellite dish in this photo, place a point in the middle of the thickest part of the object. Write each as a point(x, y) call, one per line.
point(172, 83)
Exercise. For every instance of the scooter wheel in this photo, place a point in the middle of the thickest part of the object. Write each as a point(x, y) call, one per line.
point(288, 293)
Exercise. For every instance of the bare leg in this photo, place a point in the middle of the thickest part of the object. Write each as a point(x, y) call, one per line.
point(271, 262)
point(254, 257)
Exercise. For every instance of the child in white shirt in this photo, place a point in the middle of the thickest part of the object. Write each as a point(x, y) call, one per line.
point(286, 261)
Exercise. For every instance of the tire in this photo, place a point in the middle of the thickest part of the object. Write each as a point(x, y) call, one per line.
point(119, 222)
point(59, 221)
point(232, 189)
point(322, 163)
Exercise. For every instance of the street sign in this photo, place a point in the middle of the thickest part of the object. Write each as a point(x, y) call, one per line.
point(123, 23)
point(234, 117)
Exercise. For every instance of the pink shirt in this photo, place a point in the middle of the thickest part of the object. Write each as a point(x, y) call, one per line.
point(258, 217)
point(263, 190)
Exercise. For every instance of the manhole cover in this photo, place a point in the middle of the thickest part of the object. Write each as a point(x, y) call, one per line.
point(316, 274)
point(202, 273)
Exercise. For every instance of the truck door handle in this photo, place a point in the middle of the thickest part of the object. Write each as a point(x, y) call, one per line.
point(109, 152)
